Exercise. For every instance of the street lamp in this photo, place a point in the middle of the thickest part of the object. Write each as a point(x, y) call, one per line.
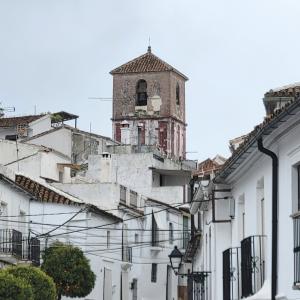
point(175, 259)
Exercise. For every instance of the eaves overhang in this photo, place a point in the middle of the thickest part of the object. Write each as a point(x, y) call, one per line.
point(264, 129)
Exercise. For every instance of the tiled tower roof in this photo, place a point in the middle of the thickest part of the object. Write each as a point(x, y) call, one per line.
point(147, 62)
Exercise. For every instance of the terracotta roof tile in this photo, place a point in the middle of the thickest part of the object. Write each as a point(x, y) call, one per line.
point(14, 121)
point(147, 62)
point(258, 130)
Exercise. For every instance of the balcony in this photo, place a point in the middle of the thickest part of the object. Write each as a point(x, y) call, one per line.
point(16, 247)
point(231, 274)
point(252, 264)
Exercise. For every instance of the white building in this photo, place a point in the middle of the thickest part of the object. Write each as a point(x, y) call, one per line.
point(240, 244)
point(34, 215)
point(37, 161)
point(150, 237)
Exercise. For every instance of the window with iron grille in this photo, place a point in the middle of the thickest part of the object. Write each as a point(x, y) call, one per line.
point(153, 272)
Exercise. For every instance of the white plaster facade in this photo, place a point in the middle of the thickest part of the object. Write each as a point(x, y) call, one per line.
point(248, 212)
point(36, 161)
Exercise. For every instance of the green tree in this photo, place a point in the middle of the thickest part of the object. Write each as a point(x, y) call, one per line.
point(43, 286)
point(13, 288)
point(70, 270)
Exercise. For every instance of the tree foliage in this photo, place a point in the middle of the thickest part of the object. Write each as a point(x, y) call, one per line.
point(13, 288)
point(70, 270)
point(42, 285)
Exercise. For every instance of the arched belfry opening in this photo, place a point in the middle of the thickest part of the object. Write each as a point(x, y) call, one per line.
point(141, 93)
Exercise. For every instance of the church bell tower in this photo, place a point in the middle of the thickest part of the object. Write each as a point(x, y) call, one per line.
point(149, 105)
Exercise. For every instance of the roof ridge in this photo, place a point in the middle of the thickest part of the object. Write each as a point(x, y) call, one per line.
point(147, 62)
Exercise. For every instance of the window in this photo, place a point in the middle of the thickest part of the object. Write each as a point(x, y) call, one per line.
point(171, 233)
point(155, 232)
point(118, 132)
point(123, 192)
point(185, 231)
point(3, 214)
point(108, 239)
point(22, 222)
point(153, 272)
point(199, 221)
point(177, 94)
point(136, 238)
point(61, 176)
point(141, 93)
point(133, 199)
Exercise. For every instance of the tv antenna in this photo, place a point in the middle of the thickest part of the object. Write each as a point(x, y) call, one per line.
point(6, 109)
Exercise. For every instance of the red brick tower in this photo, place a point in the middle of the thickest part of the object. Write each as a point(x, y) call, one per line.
point(149, 105)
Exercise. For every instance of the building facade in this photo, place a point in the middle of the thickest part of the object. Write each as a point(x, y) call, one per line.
point(248, 213)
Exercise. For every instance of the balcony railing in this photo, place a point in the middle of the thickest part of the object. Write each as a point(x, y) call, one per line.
point(198, 286)
point(11, 242)
point(252, 264)
point(14, 243)
point(231, 274)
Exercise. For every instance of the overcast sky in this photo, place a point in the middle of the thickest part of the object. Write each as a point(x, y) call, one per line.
point(56, 53)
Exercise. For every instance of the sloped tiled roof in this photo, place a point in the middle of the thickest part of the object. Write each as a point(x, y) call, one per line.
point(209, 166)
point(147, 62)
point(270, 123)
point(45, 193)
point(291, 90)
point(14, 121)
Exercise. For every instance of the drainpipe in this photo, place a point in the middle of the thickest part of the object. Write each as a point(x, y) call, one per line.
point(192, 184)
point(274, 214)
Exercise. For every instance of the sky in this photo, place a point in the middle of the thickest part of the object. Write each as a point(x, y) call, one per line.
point(55, 54)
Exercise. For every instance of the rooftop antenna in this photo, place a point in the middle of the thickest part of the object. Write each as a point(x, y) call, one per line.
point(149, 45)
point(8, 109)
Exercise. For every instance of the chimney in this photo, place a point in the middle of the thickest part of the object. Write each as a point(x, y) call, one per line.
point(125, 133)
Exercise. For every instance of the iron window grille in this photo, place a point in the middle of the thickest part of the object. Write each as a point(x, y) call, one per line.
point(297, 250)
point(252, 264)
point(231, 274)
